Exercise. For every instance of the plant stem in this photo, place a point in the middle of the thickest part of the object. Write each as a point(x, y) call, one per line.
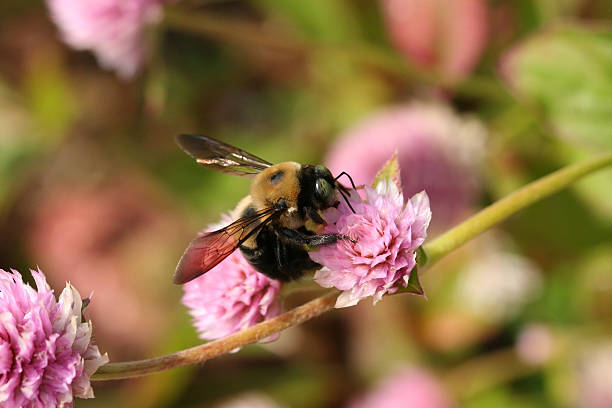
point(435, 250)
point(511, 204)
point(199, 354)
point(483, 372)
point(255, 36)
point(233, 31)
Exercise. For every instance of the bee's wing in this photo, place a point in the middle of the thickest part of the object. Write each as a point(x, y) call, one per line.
point(220, 156)
point(206, 251)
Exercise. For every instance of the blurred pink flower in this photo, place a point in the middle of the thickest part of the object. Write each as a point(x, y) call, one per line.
point(536, 344)
point(448, 35)
point(411, 387)
point(118, 239)
point(595, 377)
point(250, 400)
point(46, 355)
point(112, 29)
point(438, 151)
point(231, 297)
point(387, 233)
point(497, 284)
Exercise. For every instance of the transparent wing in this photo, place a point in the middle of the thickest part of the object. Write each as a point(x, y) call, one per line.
point(206, 251)
point(220, 156)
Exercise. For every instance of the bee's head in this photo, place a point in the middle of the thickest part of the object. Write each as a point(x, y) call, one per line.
point(324, 187)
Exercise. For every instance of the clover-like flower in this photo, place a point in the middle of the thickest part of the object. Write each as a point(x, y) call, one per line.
point(112, 29)
point(387, 234)
point(46, 354)
point(231, 297)
point(410, 387)
point(445, 35)
point(438, 151)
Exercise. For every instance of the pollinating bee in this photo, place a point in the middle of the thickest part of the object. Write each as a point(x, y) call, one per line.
point(271, 226)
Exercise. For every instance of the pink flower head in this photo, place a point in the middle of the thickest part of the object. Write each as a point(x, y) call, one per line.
point(594, 376)
point(448, 35)
point(46, 355)
point(112, 29)
point(231, 297)
point(250, 400)
point(387, 234)
point(411, 387)
point(438, 151)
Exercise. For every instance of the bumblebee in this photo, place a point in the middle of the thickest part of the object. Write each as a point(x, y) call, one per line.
point(271, 226)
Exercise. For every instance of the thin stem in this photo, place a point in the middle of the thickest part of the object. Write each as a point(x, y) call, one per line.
point(483, 372)
point(435, 250)
point(199, 354)
point(255, 36)
point(511, 204)
point(233, 31)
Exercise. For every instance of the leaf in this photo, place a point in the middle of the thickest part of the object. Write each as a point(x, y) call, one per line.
point(390, 171)
point(567, 72)
point(421, 256)
point(414, 284)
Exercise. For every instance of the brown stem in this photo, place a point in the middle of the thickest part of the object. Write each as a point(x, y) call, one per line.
point(199, 354)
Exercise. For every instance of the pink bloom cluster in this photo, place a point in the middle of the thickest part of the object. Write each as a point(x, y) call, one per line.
point(438, 151)
point(448, 35)
point(387, 234)
point(46, 355)
point(112, 29)
point(411, 387)
point(231, 297)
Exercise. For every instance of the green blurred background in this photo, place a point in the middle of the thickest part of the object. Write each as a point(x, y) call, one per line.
point(94, 190)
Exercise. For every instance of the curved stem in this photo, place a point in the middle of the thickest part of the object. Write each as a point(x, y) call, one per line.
point(435, 250)
point(199, 354)
point(511, 204)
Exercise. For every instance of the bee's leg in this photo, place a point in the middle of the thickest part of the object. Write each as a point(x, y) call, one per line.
point(279, 252)
point(282, 260)
point(314, 240)
point(314, 215)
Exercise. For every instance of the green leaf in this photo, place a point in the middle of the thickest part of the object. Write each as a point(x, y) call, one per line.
point(421, 256)
point(567, 72)
point(414, 285)
point(390, 171)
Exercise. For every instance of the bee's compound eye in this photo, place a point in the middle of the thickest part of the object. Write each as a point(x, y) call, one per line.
point(322, 171)
point(324, 191)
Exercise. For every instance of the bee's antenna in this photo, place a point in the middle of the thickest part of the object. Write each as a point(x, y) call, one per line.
point(347, 200)
point(344, 173)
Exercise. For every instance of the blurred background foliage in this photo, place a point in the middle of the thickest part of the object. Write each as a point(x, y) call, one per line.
point(94, 190)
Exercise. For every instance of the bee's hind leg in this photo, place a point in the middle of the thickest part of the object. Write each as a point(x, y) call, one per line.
point(298, 238)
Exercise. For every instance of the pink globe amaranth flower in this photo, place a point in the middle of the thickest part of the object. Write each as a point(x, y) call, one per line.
point(496, 284)
point(231, 297)
point(250, 400)
point(121, 236)
point(411, 387)
point(46, 355)
point(448, 35)
point(112, 29)
point(438, 151)
point(387, 233)
point(536, 344)
point(594, 376)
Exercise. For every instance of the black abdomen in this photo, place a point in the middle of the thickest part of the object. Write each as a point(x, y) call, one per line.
point(277, 258)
